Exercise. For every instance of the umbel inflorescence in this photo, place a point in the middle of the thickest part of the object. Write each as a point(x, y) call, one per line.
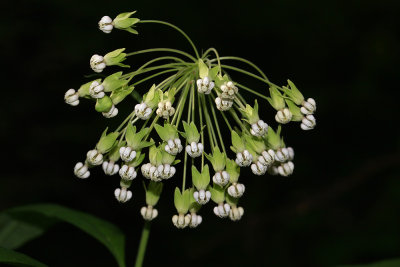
point(179, 117)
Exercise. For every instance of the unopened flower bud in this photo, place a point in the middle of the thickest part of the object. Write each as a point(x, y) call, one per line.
point(308, 107)
point(195, 220)
point(195, 149)
point(222, 210)
point(110, 168)
point(143, 111)
point(205, 85)
point(166, 171)
point(127, 172)
point(221, 178)
point(71, 97)
point(173, 147)
point(96, 90)
point(94, 157)
point(181, 221)
point(165, 109)
point(148, 213)
point(244, 159)
point(202, 196)
point(282, 154)
point(122, 194)
point(236, 213)
point(81, 170)
point(258, 168)
point(111, 113)
point(236, 190)
point(97, 63)
point(308, 122)
point(105, 24)
point(283, 116)
point(127, 154)
point(223, 104)
point(286, 169)
point(267, 157)
point(259, 129)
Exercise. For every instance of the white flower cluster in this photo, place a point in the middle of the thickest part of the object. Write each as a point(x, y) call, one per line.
point(221, 178)
point(110, 167)
point(149, 213)
point(195, 149)
point(236, 190)
point(182, 221)
point(225, 100)
point(283, 162)
point(173, 147)
point(123, 194)
point(205, 85)
point(202, 197)
point(142, 111)
point(97, 63)
point(106, 24)
point(308, 108)
point(243, 159)
point(283, 116)
point(259, 129)
point(71, 97)
point(165, 109)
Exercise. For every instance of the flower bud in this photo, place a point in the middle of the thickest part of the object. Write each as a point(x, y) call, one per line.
point(202, 196)
point(166, 171)
point(94, 157)
point(291, 153)
point(122, 195)
point(308, 107)
point(111, 113)
point(236, 213)
point(205, 85)
point(223, 104)
point(97, 63)
point(81, 170)
point(282, 154)
point(71, 97)
point(127, 172)
point(236, 190)
point(148, 213)
point(105, 24)
point(258, 168)
point(267, 157)
point(221, 178)
point(143, 111)
point(244, 159)
point(173, 147)
point(127, 154)
point(96, 90)
point(195, 220)
point(308, 122)
point(146, 170)
point(181, 221)
point(283, 116)
point(165, 109)
point(195, 149)
point(286, 169)
point(229, 90)
point(110, 168)
point(222, 210)
point(259, 129)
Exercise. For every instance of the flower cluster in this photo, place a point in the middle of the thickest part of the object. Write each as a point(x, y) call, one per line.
point(179, 118)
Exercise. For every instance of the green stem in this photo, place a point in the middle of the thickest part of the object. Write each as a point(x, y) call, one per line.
point(216, 54)
point(216, 124)
point(176, 28)
point(161, 50)
point(209, 125)
point(245, 61)
point(143, 244)
point(201, 128)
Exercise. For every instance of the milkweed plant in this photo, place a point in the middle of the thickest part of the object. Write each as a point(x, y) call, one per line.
point(173, 131)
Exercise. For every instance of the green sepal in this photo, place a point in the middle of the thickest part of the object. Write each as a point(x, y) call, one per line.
point(107, 141)
point(255, 143)
point(115, 58)
point(233, 169)
point(124, 22)
point(152, 97)
point(153, 193)
point(231, 200)
point(293, 93)
point(273, 139)
point(201, 180)
point(213, 73)
point(155, 157)
point(295, 110)
point(203, 69)
point(250, 113)
point(84, 89)
point(217, 159)
point(135, 139)
point(114, 152)
point(276, 100)
point(217, 193)
point(103, 104)
point(167, 132)
point(238, 143)
point(166, 157)
point(113, 82)
point(182, 200)
point(119, 94)
point(191, 133)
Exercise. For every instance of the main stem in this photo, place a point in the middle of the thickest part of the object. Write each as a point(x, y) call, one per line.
point(143, 244)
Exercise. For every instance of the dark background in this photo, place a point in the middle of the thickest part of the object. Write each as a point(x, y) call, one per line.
point(341, 206)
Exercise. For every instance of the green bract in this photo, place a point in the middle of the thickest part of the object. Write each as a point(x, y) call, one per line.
point(250, 113)
point(238, 143)
point(203, 69)
point(273, 138)
point(217, 159)
point(135, 139)
point(182, 200)
point(115, 58)
point(276, 100)
point(119, 94)
point(107, 141)
point(294, 94)
point(233, 169)
point(201, 180)
point(295, 110)
point(217, 193)
point(167, 132)
point(167, 158)
point(152, 97)
point(155, 155)
point(191, 133)
point(114, 82)
point(114, 152)
point(124, 22)
point(153, 192)
point(255, 143)
point(103, 104)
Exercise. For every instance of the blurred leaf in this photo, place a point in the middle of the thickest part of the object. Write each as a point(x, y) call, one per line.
point(106, 233)
point(14, 258)
point(384, 263)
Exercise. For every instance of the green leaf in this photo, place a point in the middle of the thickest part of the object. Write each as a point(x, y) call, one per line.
point(12, 257)
point(203, 69)
point(106, 233)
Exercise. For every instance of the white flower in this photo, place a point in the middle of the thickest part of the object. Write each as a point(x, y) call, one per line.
point(244, 158)
point(106, 24)
point(166, 171)
point(223, 104)
point(71, 97)
point(286, 169)
point(195, 220)
point(81, 170)
point(111, 113)
point(173, 147)
point(127, 172)
point(202, 196)
point(291, 153)
point(259, 129)
point(222, 210)
point(94, 157)
point(267, 157)
point(165, 109)
point(308, 107)
point(205, 85)
point(150, 172)
point(283, 116)
point(195, 149)
point(122, 195)
point(282, 154)
point(258, 168)
point(308, 122)
point(96, 90)
point(97, 63)
point(146, 170)
point(143, 111)
point(236, 213)
point(127, 154)
point(273, 170)
point(229, 90)
point(181, 221)
point(110, 168)
point(148, 213)
point(221, 178)
point(236, 190)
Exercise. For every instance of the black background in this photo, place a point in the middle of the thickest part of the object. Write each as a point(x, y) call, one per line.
point(340, 206)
